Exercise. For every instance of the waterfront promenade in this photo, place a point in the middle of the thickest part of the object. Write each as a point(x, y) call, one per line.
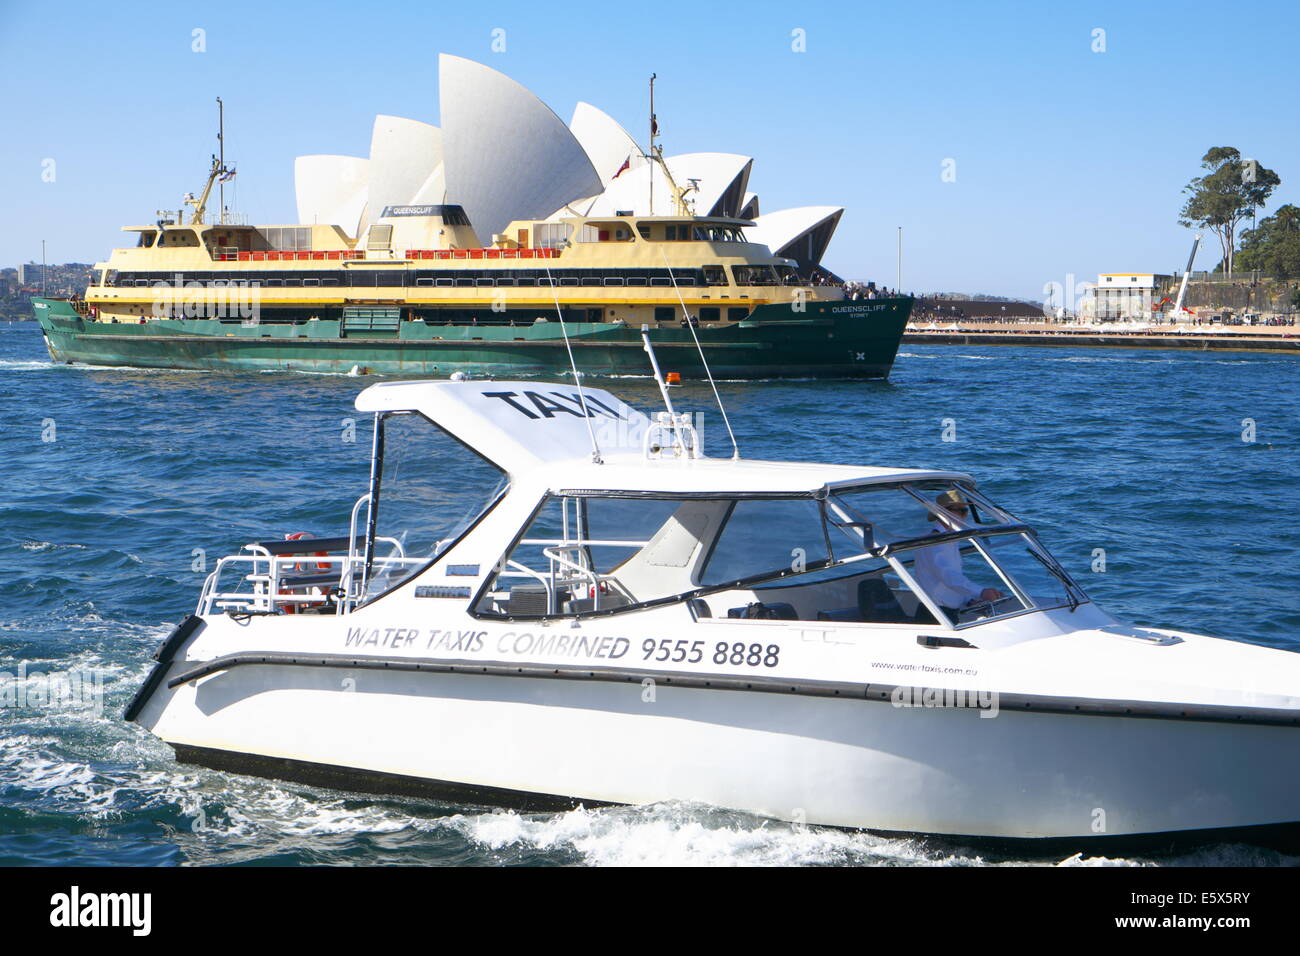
point(1225, 338)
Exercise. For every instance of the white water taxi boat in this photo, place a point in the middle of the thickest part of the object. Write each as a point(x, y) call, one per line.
point(626, 620)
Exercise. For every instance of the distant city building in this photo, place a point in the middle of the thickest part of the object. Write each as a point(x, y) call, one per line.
point(1125, 295)
point(29, 274)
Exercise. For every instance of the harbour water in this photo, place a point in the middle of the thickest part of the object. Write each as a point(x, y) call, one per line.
point(1166, 482)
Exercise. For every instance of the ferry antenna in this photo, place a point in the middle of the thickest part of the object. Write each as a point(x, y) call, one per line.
point(690, 324)
point(654, 128)
point(582, 396)
point(221, 147)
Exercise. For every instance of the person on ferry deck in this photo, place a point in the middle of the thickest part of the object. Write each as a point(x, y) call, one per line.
point(938, 568)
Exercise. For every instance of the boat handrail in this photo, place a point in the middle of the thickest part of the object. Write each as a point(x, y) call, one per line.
point(268, 575)
point(911, 544)
point(596, 577)
point(485, 253)
point(349, 598)
point(584, 542)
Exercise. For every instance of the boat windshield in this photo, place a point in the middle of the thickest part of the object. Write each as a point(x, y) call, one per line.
point(906, 553)
point(427, 491)
point(971, 559)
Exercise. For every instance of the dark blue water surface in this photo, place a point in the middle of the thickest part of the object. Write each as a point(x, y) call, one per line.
point(1139, 453)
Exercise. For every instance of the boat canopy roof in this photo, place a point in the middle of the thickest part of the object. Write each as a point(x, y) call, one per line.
point(538, 430)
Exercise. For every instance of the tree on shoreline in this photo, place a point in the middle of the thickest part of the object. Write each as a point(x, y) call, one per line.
point(1222, 198)
point(1274, 246)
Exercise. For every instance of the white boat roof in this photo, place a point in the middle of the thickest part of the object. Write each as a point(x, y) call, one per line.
point(537, 430)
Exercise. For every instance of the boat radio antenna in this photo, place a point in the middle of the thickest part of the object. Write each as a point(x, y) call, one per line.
point(690, 324)
point(582, 396)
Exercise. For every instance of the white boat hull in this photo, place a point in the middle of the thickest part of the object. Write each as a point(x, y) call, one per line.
point(537, 742)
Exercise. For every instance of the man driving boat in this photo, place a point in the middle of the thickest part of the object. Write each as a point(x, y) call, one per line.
point(938, 568)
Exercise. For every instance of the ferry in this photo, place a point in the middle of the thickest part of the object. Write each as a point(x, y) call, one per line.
point(417, 295)
point(624, 619)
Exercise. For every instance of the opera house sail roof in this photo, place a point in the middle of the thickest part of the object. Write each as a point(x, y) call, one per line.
point(502, 155)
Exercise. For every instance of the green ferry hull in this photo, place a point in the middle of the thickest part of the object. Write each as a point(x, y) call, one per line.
point(845, 339)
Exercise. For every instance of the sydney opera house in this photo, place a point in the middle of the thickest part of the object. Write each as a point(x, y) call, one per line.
point(501, 242)
point(503, 155)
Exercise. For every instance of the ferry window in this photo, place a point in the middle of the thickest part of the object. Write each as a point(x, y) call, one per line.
point(737, 314)
point(644, 229)
point(418, 511)
point(453, 215)
point(710, 313)
point(715, 275)
point(753, 275)
point(665, 313)
point(288, 239)
point(551, 235)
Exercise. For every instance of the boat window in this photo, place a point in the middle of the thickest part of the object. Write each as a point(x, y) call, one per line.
point(287, 238)
point(596, 553)
point(753, 275)
point(604, 232)
point(715, 275)
point(430, 490)
point(882, 554)
point(551, 235)
point(765, 535)
point(986, 564)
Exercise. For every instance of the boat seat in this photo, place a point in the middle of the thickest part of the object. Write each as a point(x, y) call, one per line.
point(876, 605)
point(840, 614)
point(529, 600)
point(313, 580)
point(607, 602)
point(306, 545)
point(779, 610)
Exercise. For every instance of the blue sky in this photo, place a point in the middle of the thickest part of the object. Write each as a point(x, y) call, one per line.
point(1067, 161)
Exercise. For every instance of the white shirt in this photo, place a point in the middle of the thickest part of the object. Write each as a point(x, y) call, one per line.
point(938, 571)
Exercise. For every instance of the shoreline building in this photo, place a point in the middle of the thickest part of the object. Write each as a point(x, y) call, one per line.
point(1126, 295)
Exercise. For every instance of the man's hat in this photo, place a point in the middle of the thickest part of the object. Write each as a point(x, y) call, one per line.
point(950, 498)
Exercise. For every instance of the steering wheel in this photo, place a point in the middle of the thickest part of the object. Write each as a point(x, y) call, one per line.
point(981, 609)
